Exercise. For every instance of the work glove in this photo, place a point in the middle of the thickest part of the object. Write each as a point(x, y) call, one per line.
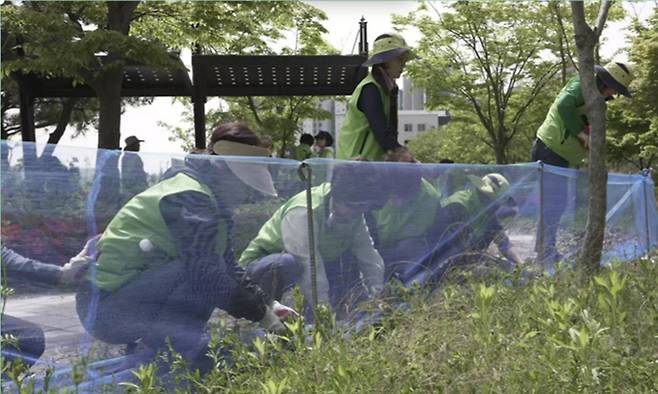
point(583, 138)
point(282, 311)
point(73, 270)
point(400, 154)
point(271, 320)
point(78, 264)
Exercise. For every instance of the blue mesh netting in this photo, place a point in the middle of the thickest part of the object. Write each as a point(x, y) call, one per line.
point(175, 228)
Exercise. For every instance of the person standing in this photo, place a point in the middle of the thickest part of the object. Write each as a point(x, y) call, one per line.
point(323, 143)
point(133, 176)
point(563, 141)
point(371, 121)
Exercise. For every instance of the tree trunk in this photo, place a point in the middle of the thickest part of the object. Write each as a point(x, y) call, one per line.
point(501, 157)
point(108, 90)
point(586, 41)
point(108, 85)
point(63, 121)
point(499, 145)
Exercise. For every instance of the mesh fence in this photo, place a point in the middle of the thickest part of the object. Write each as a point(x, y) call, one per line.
point(113, 256)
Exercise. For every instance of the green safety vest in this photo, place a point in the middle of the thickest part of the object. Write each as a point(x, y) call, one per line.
point(470, 200)
point(413, 220)
point(121, 258)
point(325, 153)
point(553, 132)
point(356, 138)
point(330, 244)
point(303, 152)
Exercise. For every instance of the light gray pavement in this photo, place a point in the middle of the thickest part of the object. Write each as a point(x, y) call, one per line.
point(523, 245)
point(56, 315)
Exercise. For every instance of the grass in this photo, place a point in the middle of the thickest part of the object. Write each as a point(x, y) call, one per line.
point(504, 334)
point(499, 333)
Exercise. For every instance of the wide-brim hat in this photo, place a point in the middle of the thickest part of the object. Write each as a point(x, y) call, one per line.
point(492, 185)
point(616, 75)
point(254, 175)
point(388, 48)
point(132, 140)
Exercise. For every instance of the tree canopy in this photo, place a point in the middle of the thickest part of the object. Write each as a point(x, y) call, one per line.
point(498, 63)
point(633, 124)
point(64, 38)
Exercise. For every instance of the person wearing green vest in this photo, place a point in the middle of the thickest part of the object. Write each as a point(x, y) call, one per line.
point(166, 260)
point(370, 128)
point(563, 141)
point(304, 150)
point(279, 257)
point(406, 227)
point(323, 143)
point(470, 221)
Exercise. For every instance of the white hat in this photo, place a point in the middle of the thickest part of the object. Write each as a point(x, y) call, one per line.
point(254, 175)
point(492, 184)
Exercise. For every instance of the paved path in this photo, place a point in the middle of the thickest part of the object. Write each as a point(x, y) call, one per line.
point(523, 245)
point(56, 315)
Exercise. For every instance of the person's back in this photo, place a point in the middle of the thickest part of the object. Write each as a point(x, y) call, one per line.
point(133, 177)
point(304, 150)
point(279, 256)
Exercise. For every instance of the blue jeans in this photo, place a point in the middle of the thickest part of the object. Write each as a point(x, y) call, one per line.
point(279, 272)
point(403, 255)
point(162, 303)
point(275, 273)
point(554, 202)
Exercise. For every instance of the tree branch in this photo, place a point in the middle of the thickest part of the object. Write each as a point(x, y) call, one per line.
point(602, 18)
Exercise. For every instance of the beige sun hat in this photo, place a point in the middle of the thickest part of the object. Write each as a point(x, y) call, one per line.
point(616, 75)
point(389, 47)
point(254, 175)
point(492, 185)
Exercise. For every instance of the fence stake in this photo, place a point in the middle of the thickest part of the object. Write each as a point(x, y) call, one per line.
point(311, 235)
point(540, 233)
point(645, 173)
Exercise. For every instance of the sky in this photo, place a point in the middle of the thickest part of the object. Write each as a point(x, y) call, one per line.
point(342, 25)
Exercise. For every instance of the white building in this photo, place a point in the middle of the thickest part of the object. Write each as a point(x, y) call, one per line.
point(412, 123)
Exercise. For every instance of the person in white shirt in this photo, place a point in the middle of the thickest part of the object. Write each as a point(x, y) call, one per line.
point(348, 265)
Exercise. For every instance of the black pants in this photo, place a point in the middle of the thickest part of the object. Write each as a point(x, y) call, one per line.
point(158, 305)
point(30, 340)
point(554, 200)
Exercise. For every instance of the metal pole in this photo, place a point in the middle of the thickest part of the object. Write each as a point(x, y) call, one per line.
point(540, 233)
point(646, 210)
point(363, 37)
point(311, 234)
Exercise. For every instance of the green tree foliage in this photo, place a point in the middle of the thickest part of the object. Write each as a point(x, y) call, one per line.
point(460, 140)
point(277, 117)
point(485, 59)
point(498, 63)
point(633, 124)
point(62, 39)
point(144, 32)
